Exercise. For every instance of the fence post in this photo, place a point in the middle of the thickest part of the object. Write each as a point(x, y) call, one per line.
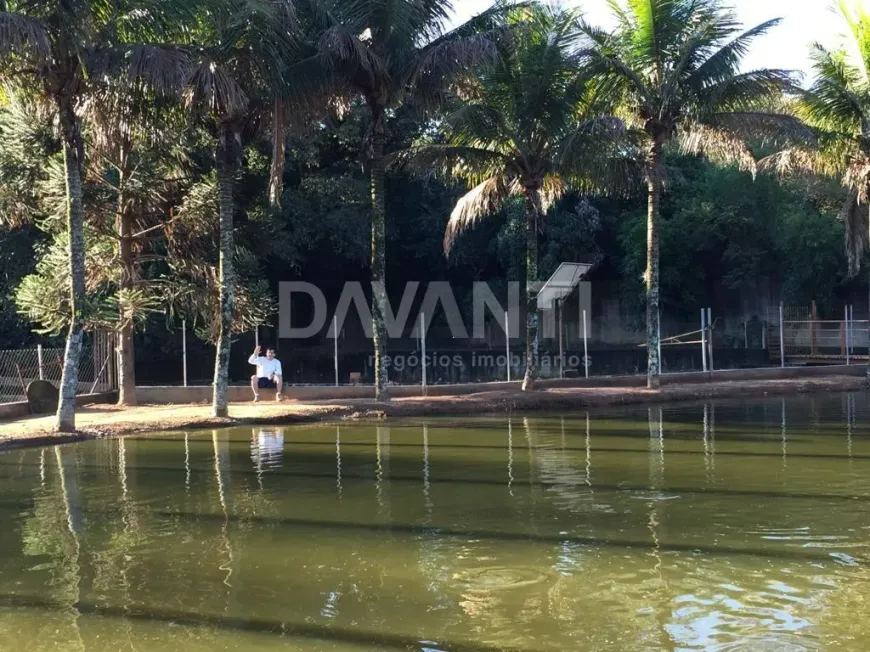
point(846, 334)
point(257, 335)
point(745, 333)
point(423, 348)
point(710, 339)
point(585, 349)
point(659, 338)
point(704, 339)
point(335, 346)
point(507, 344)
point(39, 360)
point(852, 328)
point(781, 339)
point(813, 338)
point(561, 344)
point(184, 350)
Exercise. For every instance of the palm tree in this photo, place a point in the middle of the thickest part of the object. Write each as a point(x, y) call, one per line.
point(837, 107)
point(533, 127)
point(53, 51)
point(237, 69)
point(392, 53)
point(675, 65)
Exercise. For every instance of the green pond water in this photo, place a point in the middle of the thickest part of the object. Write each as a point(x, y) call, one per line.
point(725, 526)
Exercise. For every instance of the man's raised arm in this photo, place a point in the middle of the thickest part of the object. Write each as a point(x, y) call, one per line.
point(254, 355)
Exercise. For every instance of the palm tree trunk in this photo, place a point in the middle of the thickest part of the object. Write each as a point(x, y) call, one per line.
point(276, 174)
point(73, 155)
point(379, 218)
point(652, 268)
point(228, 160)
point(127, 385)
point(533, 212)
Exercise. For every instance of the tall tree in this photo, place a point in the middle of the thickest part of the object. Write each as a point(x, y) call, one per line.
point(533, 127)
point(52, 51)
point(837, 107)
point(239, 63)
point(675, 66)
point(390, 53)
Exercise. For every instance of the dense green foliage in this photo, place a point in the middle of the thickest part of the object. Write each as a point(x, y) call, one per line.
point(720, 230)
point(263, 141)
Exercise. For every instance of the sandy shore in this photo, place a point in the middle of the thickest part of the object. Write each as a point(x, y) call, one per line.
point(109, 420)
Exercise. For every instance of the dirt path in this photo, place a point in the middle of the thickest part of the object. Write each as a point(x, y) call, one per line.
point(109, 420)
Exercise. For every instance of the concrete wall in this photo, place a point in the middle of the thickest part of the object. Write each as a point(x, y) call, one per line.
point(203, 394)
point(21, 409)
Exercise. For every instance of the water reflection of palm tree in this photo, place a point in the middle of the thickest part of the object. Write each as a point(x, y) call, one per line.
point(510, 462)
point(709, 437)
point(850, 420)
point(427, 499)
point(186, 464)
point(129, 538)
point(783, 430)
point(656, 516)
point(222, 477)
point(69, 553)
point(382, 452)
point(338, 459)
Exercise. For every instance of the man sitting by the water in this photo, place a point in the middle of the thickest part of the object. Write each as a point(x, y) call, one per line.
point(268, 373)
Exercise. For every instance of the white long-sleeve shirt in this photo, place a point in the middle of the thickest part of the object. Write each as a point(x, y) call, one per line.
point(265, 367)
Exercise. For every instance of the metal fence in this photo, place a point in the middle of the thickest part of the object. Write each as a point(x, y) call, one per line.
point(98, 369)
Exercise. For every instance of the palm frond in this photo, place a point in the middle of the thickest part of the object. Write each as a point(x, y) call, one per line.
point(725, 62)
point(476, 123)
point(718, 145)
point(616, 75)
point(23, 36)
point(471, 164)
point(858, 20)
point(344, 50)
point(745, 91)
point(769, 128)
point(803, 161)
point(483, 200)
point(163, 68)
point(215, 90)
point(446, 62)
point(552, 190)
point(834, 99)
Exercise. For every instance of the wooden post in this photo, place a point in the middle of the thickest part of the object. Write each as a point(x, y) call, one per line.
point(21, 380)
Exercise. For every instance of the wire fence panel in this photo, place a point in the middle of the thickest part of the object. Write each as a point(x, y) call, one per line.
point(98, 369)
point(20, 367)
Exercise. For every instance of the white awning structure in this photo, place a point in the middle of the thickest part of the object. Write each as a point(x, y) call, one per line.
point(561, 284)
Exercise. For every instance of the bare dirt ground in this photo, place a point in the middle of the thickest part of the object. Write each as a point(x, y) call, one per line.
point(109, 420)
